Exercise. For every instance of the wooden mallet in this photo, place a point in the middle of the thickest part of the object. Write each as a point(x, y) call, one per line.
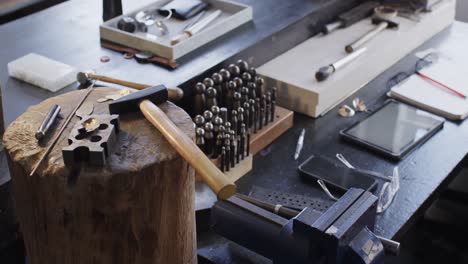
point(146, 101)
point(175, 94)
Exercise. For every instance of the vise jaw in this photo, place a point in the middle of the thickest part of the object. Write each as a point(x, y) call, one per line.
point(340, 235)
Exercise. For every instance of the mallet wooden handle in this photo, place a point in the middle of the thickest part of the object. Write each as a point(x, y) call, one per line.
point(174, 94)
point(185, 146)
point(179, 38)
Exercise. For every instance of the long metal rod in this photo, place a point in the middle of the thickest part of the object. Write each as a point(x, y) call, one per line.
point(57, 136)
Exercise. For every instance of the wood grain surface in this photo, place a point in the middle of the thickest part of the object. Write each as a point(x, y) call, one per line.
point(136, 209)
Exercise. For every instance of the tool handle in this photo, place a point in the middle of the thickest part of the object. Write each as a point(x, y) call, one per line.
point(349, 58)
point(367, 37)
point(179, 38)
point(174, 94)
point(185, 146)
point(138, 86)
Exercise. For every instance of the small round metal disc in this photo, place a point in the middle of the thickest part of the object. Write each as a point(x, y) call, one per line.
point(105, 59)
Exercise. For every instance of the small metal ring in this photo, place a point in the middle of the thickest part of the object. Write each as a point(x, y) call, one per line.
point(128, 55)
point(168, 16)
point(385, 12)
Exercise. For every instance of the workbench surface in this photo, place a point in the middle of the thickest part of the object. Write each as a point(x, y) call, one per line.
point(69, 33)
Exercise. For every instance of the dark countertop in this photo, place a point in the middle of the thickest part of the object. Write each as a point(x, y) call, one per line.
point(71, 36)
point(424, 173)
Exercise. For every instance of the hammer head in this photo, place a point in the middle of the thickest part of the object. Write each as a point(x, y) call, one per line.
point(157, 95)
point(390, 24)
point(82, 77)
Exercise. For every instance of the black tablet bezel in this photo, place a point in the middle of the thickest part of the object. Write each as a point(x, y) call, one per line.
point(377, 148)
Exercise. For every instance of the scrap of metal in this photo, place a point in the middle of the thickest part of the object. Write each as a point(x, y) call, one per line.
point(91, 140)
point(229, 106)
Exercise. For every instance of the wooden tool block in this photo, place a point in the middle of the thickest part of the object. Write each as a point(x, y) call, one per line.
point(264, 137)
point(137, 208)
point(284, 120)
point(241, 169)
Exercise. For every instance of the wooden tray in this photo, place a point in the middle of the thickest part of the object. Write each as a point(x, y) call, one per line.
point(234, 15)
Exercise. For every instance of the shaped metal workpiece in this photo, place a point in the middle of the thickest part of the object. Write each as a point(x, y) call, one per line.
point(92, 146)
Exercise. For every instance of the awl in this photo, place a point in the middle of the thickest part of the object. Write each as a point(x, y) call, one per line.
point(197, 27)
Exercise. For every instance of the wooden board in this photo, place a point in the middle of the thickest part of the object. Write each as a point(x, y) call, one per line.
point(293, 72)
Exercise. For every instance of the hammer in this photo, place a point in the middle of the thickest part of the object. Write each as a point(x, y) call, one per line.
point(146, 101)
point(175, 94)
point(382, 20)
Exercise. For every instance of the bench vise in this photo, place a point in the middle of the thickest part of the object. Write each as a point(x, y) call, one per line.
point(341, 235)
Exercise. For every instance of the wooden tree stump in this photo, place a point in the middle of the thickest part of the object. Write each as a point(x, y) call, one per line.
point(138, 208)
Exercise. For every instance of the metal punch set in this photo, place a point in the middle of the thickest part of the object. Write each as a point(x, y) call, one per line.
point(228, 108)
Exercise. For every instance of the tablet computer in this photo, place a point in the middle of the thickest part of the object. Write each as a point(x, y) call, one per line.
point(394, 129)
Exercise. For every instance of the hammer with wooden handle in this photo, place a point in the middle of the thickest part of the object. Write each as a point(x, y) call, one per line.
point(381, 23)
point(146, 101)
point(175, 94)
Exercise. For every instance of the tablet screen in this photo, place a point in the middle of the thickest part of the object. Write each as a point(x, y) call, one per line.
point(395, 127)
